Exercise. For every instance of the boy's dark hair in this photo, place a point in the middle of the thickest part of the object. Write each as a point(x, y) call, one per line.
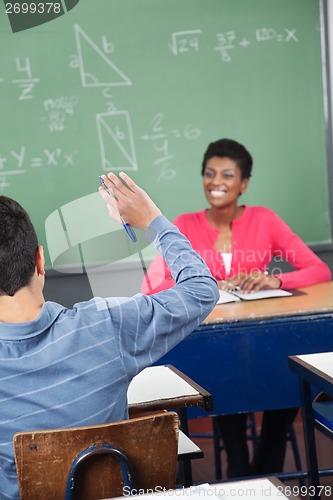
point(229, 149)
point(18, 245)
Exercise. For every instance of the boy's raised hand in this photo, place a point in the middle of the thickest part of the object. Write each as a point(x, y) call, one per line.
point(128, 199)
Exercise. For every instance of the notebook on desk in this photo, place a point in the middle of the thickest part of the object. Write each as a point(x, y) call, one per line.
point(238, 295)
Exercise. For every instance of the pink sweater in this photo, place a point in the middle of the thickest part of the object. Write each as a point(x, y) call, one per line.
point(258, 235)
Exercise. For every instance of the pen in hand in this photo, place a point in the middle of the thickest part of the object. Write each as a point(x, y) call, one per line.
point(128, 228)
point(110, 193)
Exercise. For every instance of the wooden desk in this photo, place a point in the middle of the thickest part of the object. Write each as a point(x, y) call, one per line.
point(240, 352)
point(166, 388)
point(313, 370)
point(317, 299)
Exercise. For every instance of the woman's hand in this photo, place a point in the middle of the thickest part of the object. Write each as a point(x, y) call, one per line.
point(247, 283)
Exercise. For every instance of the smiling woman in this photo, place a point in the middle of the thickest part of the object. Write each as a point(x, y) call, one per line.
point(238, 242)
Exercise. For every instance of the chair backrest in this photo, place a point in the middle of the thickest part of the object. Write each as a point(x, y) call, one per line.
point(44, 458)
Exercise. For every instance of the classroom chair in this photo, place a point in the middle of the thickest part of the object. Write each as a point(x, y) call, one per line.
point(100, 461)
point(323, 413)
point(251, 436)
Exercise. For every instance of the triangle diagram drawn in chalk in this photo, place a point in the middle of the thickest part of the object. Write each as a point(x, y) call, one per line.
point(116, 141)
point(96, 68)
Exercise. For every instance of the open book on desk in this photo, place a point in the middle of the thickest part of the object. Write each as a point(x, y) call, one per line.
point(238, 295)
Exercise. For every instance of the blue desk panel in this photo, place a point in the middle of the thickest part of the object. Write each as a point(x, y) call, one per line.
point(244, 364)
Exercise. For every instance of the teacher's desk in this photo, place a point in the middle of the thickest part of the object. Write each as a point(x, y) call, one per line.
point(240, 352)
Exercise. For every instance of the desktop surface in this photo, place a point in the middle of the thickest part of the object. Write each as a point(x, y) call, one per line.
point(313, 300)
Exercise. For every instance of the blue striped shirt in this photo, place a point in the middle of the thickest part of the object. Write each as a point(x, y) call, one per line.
point(72, 367)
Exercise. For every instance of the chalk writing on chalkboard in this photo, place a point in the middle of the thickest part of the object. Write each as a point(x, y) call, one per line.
point(27, 82)
point(160, 139)
point(116, 141)
point(85, 47)
point(183, 42)
point(228, 41)
point(17, 161)
point(57, 110)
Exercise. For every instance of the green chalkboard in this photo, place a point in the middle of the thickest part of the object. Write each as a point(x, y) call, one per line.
point(144, 85)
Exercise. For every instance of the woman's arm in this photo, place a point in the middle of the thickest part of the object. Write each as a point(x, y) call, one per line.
point(309, 268)
point(286, 246)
